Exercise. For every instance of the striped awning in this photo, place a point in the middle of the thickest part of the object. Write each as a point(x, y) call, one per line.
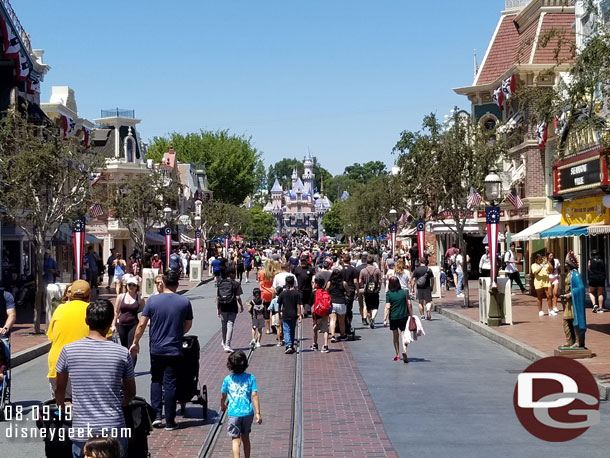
point(598, 230)
point(185, 238)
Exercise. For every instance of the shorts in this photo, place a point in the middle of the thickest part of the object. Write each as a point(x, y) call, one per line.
point(398, 324)
point(239, 426)
point(117, 279)
point(275, 319)
point(266, 313)
point(306, 296)
point(339, 309)
point(371, 300)
point(424, 294)
point(554, 279)
point(248, 267)
point(258, 323)
point(596, 283)
point(321, 323)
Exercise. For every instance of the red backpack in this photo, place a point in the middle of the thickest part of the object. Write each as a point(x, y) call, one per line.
point(322, 303)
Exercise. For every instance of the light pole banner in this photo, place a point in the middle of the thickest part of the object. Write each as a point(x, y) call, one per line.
point(78, 244)
point(168, 245)
point(421, 237)
point(197, 243)
point(493, 231)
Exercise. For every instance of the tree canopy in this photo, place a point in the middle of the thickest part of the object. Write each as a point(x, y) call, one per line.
point(231, 161)
point(261, 225)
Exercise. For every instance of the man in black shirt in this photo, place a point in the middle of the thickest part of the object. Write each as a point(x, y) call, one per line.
point(350, 276)
point(360, 290)
point(304, 273)
point(289, 303)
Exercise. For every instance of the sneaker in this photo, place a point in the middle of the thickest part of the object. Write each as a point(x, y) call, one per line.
point(325, 349)
point(333, 339)
point(460, 295)
point(428, 316)
point(595, 308)
point(396, 358)
point(372, 325)
point(555, 309)
point(314, 347)
point(422, 317)
point(258, 345)
point(253, 343)
point(279, 344)
point(552, 313)
point(540, 313)
point(601, 310)
point(171, 426)
point(365, 321)
point(247, 281)
point(404, 357)
point(289, 350)
point(228, 349)
point(157, 423)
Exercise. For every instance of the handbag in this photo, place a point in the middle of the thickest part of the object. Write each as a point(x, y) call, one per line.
point(412, 324)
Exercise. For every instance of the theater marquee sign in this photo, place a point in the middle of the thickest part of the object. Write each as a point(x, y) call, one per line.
point(580, 173)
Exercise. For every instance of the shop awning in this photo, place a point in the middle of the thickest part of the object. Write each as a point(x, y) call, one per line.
point(598, 230)
point(154, 238)
point(563, 231)
point(533, 232)
point(186, 239)
point(92, 239)
point(439, 228)
point(408, 232)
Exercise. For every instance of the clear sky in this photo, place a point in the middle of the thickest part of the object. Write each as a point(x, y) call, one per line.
point(340, 77)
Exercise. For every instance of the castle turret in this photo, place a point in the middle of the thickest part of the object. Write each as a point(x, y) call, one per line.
point(295, 175)
point(308, 175)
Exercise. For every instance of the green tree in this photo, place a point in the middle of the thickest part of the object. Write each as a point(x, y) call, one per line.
point(335, 187)
point(139, 204)
point(261, 225)
point(322, 176)
point(45, 183)
point(365, 172)
point(333, 220)
point(438, 167)
point(282, 170)
point(215, 214)
point(230, 160)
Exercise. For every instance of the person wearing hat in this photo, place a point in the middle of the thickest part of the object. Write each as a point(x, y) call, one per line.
point(574, 317)
point(126, 308)
point(68, 325)
point(156, 262)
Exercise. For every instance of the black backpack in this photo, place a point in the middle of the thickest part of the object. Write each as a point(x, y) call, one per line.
point(371, 284)
point(422, 282)
point(226, 291)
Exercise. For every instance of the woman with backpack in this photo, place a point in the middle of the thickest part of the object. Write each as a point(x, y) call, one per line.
point(398, 308)
point(338, 288)
point(421, 283)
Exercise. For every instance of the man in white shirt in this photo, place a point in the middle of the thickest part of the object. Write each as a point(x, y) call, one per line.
point(280, 279)
point(484, 264)
point(459, 270)
point(511, 267)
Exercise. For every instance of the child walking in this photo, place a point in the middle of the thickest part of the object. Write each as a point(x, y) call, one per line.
point(242, 393)
point(276, 321)
point(257, 310)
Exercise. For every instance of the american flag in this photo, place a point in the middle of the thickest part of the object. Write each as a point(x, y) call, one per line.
point(96, 210)
point(403, 219)
point(474, 199)
point(514, 199)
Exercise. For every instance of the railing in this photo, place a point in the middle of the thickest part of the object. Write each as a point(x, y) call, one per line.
point(117, 112)
point(18, 27)
point(513, 4)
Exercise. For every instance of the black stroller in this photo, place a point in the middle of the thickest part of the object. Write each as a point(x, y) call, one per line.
point(188, 377)
point(5, 372)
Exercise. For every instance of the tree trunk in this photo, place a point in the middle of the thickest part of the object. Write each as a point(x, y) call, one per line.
point(39, 306)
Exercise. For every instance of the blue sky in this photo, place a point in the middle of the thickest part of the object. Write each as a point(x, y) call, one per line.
point(340, 77)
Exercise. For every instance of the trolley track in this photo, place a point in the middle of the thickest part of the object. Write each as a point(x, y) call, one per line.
point(295, 440)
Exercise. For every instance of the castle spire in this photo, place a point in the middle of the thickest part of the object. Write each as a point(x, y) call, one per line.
point(476, 64)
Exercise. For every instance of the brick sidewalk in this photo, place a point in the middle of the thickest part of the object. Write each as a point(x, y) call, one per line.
point(543, 333)
point(340, 418)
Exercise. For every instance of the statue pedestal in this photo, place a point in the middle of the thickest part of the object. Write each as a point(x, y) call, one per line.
point(574, 353)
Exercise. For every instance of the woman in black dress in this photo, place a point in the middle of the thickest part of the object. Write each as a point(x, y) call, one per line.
point(597, 281)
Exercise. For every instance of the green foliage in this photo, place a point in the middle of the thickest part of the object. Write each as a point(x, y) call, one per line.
point(365, 172)
point(261, 225)
point(44, 184)
point(282, 170)
point(215, 214)
point(334, 187)
point(231, 162)
point(139, 203)
point(333, 220)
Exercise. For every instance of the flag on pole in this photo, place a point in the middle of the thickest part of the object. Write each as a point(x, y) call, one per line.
point(78, 244)
point(421, 237)
point(168, 245)
point(474, 199)
point(514, 199)
point(384, 222)
point(403, 219)
point(492, 216)
point(498, 97)
point(541, 134)
point(96, 211)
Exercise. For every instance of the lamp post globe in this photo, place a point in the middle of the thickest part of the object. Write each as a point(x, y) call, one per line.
point(493, 184)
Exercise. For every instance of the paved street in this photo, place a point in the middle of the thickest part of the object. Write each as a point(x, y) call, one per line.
point(454, 398)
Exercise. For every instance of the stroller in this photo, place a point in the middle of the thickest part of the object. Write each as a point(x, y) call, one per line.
point(5, 371)
point(59, 444)
point(188, 377)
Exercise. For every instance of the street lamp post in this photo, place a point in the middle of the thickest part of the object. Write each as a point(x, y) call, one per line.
point(393, 216)
point(226, 226)
point(420, 226)
point(167, 232)
point(493, 187)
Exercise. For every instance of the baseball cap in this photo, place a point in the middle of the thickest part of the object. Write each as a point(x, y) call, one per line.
point(132, 281)
point(327, 262)
point(80, 289)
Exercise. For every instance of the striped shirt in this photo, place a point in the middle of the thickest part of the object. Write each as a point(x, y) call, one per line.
point(96, 369)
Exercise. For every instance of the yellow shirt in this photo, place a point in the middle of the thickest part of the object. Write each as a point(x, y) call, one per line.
point(541, 279)
point(67, 325)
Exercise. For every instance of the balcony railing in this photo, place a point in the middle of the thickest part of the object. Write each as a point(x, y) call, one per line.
point(514, 4)
point(118, 113)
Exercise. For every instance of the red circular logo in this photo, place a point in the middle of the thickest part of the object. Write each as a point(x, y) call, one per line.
point(556, 399)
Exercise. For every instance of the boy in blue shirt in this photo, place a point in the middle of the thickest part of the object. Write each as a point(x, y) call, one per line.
point(241, 390)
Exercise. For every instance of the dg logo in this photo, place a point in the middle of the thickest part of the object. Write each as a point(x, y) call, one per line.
point(556, 399)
